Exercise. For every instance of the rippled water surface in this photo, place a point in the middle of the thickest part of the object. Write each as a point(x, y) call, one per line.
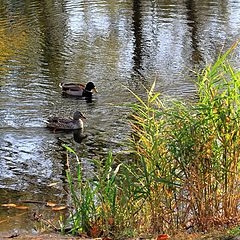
point(127, 43)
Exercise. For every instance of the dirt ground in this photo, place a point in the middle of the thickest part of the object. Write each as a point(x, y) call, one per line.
point(61, 237)
point(55, 236)
point(5, 236)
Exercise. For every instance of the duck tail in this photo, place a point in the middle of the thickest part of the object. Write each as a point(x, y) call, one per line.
point(60, 84)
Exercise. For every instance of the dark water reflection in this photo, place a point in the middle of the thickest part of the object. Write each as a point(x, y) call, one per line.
point(130, 43)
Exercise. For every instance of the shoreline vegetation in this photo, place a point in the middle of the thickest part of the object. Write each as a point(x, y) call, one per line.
point(180, 178)
point(182, 172)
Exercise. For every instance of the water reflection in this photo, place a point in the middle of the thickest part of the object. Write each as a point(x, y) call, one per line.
point(192, 22)
point(137, 31)
point(78, 135)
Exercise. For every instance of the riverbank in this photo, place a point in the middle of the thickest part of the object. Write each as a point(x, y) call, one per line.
point(55, 236)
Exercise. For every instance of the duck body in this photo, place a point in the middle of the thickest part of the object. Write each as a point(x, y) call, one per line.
point(58, 123)
point(78, 89)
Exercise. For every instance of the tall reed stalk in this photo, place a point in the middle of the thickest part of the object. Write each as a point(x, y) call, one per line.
point(93, 198)
point(185, 170)
point(189, 153)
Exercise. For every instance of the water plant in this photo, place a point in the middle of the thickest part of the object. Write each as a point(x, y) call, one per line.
point(189, 152)
point(93, 198)
point(184, 174)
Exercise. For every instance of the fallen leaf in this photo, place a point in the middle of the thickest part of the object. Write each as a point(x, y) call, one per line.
point(22, 207)
point(111, 221)
point(52, 184)
point(59, 208)
point(95, 230)
point(51, 204)
point(163, 237)
point(9, 205)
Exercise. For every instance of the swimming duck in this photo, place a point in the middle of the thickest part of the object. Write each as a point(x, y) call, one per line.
point(58, 123)
point(78, 89)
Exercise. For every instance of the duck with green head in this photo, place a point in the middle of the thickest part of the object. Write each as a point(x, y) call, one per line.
point(78, 89)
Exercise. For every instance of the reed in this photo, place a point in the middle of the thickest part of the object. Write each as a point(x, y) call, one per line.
point(82, 199)
point(189, 153)
point(184, 173)
point(93, 199)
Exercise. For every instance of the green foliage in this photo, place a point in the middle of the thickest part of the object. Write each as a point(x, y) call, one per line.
point(82, 198)
point(185, 168)
point(93, 199)
point(189, 153)
point(235, 231)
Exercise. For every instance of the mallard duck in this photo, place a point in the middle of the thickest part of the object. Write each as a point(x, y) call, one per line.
point(78, 89)
point(58, 123)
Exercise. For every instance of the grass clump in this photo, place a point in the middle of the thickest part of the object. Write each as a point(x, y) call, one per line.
point(93, 199)
point(185, 173)
point(189, 153)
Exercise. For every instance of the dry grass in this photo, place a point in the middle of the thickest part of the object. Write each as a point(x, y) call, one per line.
point(183, 173)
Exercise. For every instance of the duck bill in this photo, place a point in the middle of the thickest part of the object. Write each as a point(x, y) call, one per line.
point(95, 90)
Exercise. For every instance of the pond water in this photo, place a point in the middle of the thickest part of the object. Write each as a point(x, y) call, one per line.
point(115, 44)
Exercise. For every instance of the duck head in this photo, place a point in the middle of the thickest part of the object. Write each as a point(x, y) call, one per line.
point(78, 115)
point(90, 86)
